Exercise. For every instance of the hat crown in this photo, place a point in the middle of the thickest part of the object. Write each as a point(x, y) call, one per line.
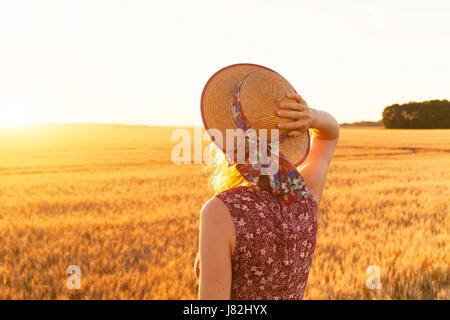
point(261, 93)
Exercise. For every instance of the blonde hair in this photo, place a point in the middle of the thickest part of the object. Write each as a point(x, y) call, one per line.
point(223, 176)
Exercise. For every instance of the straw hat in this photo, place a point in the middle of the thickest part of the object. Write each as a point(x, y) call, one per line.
point(261, 94)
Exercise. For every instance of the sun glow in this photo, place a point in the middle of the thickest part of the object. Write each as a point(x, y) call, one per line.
point(14, 117)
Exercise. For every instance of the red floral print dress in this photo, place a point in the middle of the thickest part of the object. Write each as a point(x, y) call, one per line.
point(275, 243)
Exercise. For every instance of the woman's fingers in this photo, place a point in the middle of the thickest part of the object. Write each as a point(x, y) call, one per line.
point(296, 97)
point(294, 133)
point(297, 110)
point(292, 105)
point(290, 114)
point(297, 124)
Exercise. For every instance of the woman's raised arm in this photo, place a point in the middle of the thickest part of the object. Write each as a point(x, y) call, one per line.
point(325, 129)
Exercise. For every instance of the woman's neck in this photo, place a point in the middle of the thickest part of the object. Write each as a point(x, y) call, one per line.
point(264, 183)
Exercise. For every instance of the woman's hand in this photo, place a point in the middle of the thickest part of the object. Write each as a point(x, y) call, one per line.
point(302, 116)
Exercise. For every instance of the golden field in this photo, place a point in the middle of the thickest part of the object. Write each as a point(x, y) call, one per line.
point(108, 199)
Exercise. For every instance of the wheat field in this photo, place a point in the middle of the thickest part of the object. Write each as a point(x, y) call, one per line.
point(108, 199)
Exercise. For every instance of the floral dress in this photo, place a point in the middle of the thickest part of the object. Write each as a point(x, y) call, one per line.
point(275, 243)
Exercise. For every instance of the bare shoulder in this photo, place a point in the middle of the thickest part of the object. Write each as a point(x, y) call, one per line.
point(215, 215)
point(214, 209)
point(216, 223)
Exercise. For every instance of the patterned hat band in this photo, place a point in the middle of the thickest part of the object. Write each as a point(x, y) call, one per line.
point(284, 177)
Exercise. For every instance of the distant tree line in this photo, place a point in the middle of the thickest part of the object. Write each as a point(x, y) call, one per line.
point(432, 114)
point(362, 124)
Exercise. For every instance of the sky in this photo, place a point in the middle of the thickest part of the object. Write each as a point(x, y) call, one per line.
point(146, 62)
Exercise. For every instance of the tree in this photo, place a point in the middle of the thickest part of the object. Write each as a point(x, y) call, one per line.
point(430, 114)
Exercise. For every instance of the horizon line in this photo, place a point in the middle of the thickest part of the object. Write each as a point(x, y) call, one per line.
point(131, 124)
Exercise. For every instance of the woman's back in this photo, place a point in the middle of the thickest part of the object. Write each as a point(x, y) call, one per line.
point(275, 242)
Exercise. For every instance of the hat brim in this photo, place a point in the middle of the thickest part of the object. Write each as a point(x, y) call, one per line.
point(216, 110)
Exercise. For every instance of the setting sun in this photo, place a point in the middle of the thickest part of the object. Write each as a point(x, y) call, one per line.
point(14, 117)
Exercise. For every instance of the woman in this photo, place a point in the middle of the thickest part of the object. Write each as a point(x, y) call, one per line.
point(258, 233)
